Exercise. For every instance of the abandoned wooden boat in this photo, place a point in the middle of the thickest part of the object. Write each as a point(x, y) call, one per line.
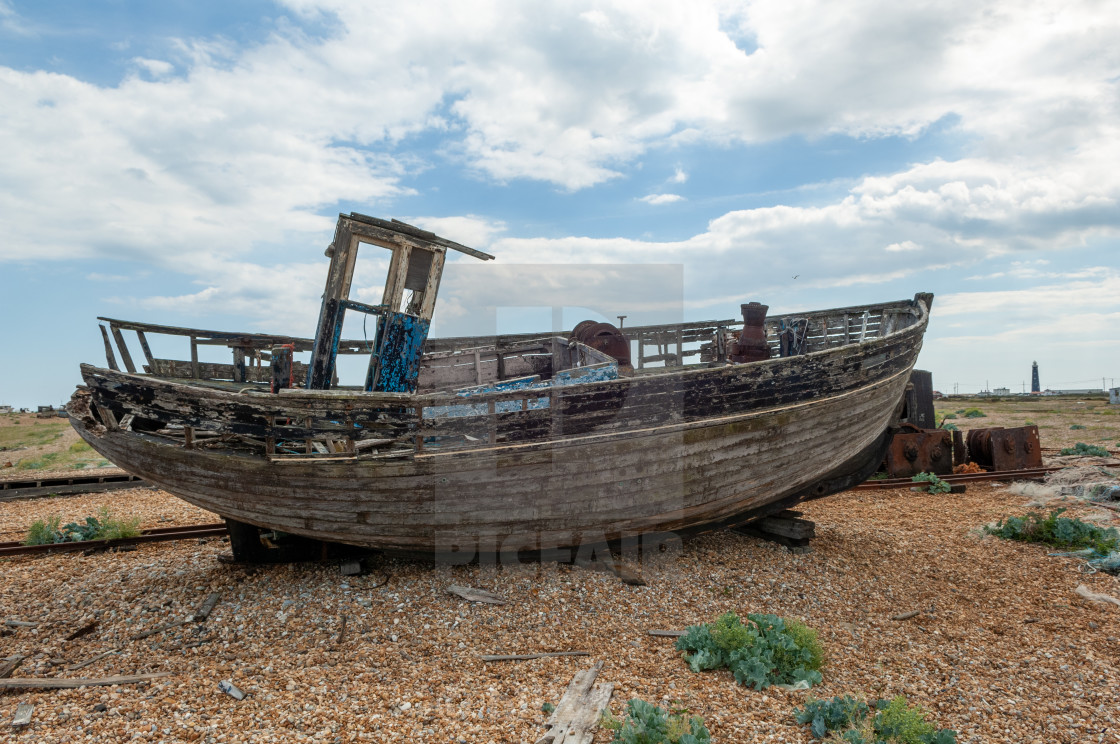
point(498, 445)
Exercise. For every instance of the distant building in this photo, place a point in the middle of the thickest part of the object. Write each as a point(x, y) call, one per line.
point(1035, 387)
point(1002, 391)
point(5, 409)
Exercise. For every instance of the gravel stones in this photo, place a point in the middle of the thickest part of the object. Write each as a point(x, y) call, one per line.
point(1001, 649)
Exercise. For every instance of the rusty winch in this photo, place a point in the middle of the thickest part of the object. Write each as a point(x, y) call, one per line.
point(751, 345)
point(603, 337)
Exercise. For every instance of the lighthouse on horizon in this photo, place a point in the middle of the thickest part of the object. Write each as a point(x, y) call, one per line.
point(1035, 388)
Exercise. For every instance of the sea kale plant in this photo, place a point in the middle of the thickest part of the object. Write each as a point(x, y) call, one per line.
point(846, 719)
point(102, 527)
point(646, 723)
point(936, 485)
point(1081, 448)
point(766, 650)
point(1056, 530)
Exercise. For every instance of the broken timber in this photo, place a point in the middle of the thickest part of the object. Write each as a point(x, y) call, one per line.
point(526, 657)
point(22, 715)
point(476, 595)
point(785, 528)
point(8, 665)
point(33, 683)
point(577, 714)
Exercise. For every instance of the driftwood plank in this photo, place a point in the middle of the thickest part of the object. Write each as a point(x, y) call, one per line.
point(206, 607)
point(159, 629)
point(83, 631)
point(95, 659)
point(48, 683)
point(577, 714)
point(22, 715)
point(20, 624)
point(475, 595)
point(525, 657)
point(8, 665)
point(667, 633)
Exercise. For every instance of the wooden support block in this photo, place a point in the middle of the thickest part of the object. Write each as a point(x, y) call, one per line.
point(797, 529)
point(352, 567)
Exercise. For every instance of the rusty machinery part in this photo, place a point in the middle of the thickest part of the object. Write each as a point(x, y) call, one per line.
point(603, 337)
point(751, 345)
point(1002, 449)
point(914, 450)
point(159, 534)
point(1031, 474)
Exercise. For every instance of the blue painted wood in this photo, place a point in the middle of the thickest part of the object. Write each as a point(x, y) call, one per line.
point(395, 365)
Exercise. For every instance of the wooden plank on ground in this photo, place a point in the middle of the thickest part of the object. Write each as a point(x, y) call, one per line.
point(525, 657)
point(95, 659)
point(206, 607)
point(159, 629)
point(22, 715)
point(475, 595)
point(55, 683)
point(667, 633)
point(82, 631)
point(577, 714)
point(8, 665)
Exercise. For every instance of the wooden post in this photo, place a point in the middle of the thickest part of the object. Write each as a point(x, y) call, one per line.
point(123, 347)
point(239, 372)
point(188, 437)
point(194, 358)
point(145, 348)
point(109, 356)
point(343, 251)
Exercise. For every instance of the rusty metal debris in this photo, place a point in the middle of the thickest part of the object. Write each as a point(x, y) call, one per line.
point(1032, 474)
point(918, 450)
point(603, 337)
point(1005, 449)
point(751, 345)
point(160, 534)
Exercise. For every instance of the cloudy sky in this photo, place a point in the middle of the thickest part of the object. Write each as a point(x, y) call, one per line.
point(183, 162)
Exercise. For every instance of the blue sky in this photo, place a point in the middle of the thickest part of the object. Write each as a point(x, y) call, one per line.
point(184, 163)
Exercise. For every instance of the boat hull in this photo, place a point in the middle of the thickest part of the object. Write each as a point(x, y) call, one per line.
point(676, 451)
point(678, 478)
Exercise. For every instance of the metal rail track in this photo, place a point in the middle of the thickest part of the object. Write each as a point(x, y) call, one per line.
point(1032, 474)
point(159, 534)
point(29, 488)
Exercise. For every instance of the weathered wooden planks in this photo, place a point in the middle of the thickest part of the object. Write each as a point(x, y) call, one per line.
point(674, 451)
point(577, 714)
point(55, 683)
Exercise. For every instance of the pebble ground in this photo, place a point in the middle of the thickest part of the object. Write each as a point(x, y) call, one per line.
point(1002, 650)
